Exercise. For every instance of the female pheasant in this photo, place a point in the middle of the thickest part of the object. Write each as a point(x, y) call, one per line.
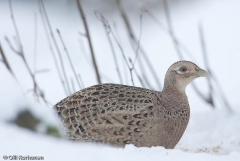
point(119, 114)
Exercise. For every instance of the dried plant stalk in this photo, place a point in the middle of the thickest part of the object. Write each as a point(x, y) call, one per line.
point(4, 61)
point(89, 41)
point(69, 59)
point(170, 27)
point(135, 43)
point(56, 46)
point(36, 89)
point(51, 49)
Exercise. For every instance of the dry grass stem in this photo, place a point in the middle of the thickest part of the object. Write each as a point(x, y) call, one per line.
point(51, 49)
point(80, 79)
point(56, 46)
point(36, 89)
point(213, 77)
point(204, 52)
point(139, 39)
point(109, 30)
point(69, 59)
point(176, 45)
point(89, 41)
point(35, 42)
point(114, 55)
point(134, 43)
point(5, 62)
point(170, 27)
point(179, 43)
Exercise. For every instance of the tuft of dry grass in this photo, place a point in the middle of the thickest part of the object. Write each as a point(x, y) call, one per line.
point(216, 148)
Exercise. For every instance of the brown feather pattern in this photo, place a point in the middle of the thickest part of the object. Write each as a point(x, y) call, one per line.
point(119, 114)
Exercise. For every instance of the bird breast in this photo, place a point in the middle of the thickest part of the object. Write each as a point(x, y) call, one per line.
point(173, 117)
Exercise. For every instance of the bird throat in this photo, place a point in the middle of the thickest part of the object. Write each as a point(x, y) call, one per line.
point(172, 98)
point(172, 83)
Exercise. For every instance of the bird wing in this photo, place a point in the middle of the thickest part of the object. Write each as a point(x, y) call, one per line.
point(109, 113)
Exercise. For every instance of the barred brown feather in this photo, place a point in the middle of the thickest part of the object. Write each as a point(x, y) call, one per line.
point(119, 114)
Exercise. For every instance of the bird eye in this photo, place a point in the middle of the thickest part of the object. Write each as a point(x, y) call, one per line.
point(183, 69)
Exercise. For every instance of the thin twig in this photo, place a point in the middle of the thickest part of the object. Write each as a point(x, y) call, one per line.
point(204, 51)
point(222, 95)
point(20, 52)
point(5, 62)
point(35, 42)
point(201, 95)
point(138, 76)
point(82, 34)
point(109, 30)
point(89, 41)
point(36, 89)
point(85, 53)
point(131, 70)
point(115, 28)
point(180, 44)
point(137, 53)
point(35, 47)
point(134, 41)
point(80, 78)
point(175, 43)
point(15, 27)
point(42, 71)
point(124, 57)
point(51, 49)
point(69, 59)
point(138, 43)
point(11, 46)
point(73, 86)
point(114, 55)
point(125, 70)
point(56, 46)
point(170, 27)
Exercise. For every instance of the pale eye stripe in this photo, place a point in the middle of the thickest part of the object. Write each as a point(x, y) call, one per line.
point(177, 70)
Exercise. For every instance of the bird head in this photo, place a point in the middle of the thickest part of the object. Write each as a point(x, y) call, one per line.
point(181, 73)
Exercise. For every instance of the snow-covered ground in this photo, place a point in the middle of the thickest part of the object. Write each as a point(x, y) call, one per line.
point(210, 135)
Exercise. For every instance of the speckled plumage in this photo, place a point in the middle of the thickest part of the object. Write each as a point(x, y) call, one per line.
point(119, 114)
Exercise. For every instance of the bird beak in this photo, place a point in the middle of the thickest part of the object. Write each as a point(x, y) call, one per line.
point(202, 73)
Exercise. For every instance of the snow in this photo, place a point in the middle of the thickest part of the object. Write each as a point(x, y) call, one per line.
point(209, 136)
point(212, 134)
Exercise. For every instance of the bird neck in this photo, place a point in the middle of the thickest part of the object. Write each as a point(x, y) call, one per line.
point(172, 98)
point(173, 91)
point(174, 84)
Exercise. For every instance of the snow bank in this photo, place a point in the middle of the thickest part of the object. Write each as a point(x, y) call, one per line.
point(209, 136)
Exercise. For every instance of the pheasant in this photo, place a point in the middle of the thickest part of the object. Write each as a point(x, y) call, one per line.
point(119, 114)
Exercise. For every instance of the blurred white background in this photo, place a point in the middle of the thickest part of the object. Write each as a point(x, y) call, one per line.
point(209, 128)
